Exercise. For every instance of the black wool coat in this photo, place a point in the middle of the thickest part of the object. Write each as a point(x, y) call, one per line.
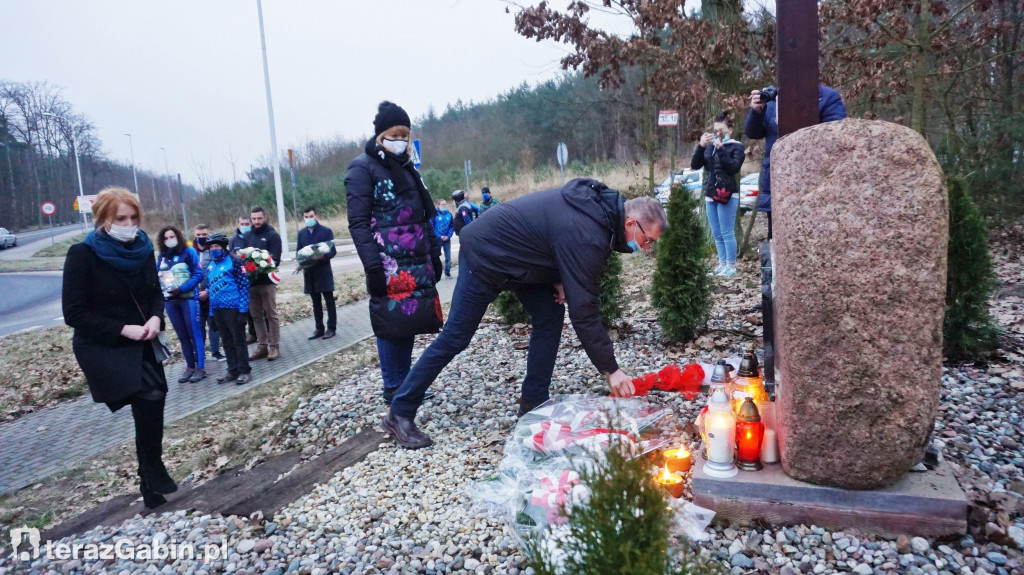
point(265, 238)
point(390, 216)
point(97, 303)
point(320, 277)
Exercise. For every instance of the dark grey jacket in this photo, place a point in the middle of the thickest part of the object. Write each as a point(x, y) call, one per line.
point(559, 235)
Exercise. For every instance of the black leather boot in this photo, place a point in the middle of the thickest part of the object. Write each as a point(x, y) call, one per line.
point(149, 435)
point(150, 498)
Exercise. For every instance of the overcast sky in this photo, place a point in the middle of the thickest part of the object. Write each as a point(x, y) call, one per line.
point(187, 74)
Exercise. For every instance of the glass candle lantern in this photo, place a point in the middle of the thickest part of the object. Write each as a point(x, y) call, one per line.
point(720, 435)
point(749, 434)
point(748, 383)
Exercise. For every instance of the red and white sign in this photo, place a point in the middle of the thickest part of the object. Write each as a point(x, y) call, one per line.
point(84, 203)
point(48, 208)
point(668, 117)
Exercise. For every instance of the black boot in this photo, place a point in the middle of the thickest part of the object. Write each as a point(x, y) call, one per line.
point(151, 499)
point(149, 434)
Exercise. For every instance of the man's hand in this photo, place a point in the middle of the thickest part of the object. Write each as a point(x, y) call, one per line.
point(705, 139)
point(621, 384)
point(755, 101)
point(444, 238)
point(559, 294)
point(204, 295)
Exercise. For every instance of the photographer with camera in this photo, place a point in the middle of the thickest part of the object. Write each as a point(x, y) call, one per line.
point(763, 122)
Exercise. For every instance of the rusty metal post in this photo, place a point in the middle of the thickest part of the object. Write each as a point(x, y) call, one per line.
point(796, 47)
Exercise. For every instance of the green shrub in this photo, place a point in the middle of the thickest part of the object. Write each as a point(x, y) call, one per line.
point(681, 290)
point(510, 308)
point(967, 329)
point(610, 302)
point(622, 528)
point(442, 183)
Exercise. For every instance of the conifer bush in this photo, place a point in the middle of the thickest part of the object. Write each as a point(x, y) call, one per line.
point(510, 308)
point(610, 302)
point(681, 289)
point(967, 328)
point(622, 528)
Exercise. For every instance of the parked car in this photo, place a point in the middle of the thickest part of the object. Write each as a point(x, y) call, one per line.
point(7, 239)
point(748, 191)
point(692, 180)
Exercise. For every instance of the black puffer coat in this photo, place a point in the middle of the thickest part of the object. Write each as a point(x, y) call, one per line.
point(389, 218)
point(720, 166)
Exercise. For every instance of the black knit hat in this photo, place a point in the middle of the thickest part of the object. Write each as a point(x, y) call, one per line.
point(389, 115)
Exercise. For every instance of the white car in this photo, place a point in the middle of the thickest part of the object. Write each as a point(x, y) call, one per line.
point(692, 180)
point(7, 239)
point(748, 191)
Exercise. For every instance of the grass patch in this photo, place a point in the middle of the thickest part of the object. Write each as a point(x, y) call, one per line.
point(32, 265)
point(59, 249)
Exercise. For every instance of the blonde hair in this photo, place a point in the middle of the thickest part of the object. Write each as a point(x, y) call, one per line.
point(104, 209)
point(380, 136)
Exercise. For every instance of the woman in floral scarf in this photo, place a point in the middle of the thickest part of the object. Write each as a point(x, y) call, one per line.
point(389, 218)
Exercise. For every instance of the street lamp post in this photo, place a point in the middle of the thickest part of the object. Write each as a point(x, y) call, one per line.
point(167, 174)
point(282, 221)
point(152, 175)
point(134, 175)
point(74, 149)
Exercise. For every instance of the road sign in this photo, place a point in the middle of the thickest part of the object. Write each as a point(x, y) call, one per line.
point(562, 154)
point(668, 117)
point(84, 203)
point(416, 161)
point(48, 208)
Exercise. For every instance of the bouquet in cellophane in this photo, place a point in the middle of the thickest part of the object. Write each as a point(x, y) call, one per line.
point(257, 262)
point(312, 254)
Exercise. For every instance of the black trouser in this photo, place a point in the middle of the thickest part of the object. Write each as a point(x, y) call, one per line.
point(204, 319)
point(231, 325)
point(252, 326)
point(318, 311)
point(769, 225)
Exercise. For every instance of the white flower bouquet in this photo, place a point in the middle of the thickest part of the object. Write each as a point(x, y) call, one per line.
point(313, 254)
point(257, 262)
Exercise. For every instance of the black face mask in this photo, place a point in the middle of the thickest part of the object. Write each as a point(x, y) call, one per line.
point(199, 242)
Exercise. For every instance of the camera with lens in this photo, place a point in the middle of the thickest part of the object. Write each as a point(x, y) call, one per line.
point(768, 94)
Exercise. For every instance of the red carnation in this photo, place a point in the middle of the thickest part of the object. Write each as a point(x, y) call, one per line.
point(640, 387)
point(691, 380)
point(670, 377)
point(401, 286)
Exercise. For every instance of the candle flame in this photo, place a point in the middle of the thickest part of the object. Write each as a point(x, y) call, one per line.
point(666, 477)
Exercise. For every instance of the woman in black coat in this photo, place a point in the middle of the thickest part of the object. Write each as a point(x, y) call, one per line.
point(721, 157)
point(390, 217)
point(112, 297)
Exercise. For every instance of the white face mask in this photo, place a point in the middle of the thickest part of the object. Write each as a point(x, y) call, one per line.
point(396, 147)
point(123, 233)
point(171, 243)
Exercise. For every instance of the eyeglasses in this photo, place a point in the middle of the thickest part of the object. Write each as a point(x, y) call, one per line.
point(649, 241)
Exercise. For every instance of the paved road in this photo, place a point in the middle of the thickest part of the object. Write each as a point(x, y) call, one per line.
point(28, 248)
point(24, 237)
point(51, 440)
point(29, 300)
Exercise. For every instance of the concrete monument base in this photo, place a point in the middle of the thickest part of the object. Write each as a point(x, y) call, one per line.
point(926, 504)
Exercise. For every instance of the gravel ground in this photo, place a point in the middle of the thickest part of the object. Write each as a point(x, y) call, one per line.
point(404, 511)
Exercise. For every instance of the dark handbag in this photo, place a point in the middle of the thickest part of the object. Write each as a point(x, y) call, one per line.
point(721, 195)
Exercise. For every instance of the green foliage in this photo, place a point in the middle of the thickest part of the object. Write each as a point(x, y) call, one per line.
point(611, 299)
point(681, 290)
point(442, 183)
point(967, 328)
point(510, 308)
point(622, 528)
point(543, 172)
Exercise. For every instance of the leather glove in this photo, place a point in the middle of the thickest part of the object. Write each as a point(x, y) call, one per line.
point(438, 269)
point(376, 282)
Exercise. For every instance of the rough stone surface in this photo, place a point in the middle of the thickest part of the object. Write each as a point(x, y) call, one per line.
point(860, 218)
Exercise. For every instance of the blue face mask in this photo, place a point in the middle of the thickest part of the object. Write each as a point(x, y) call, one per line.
point(244, 229)
point(310, 222)
point(200, 241)
point(487, 197)
point(216, 253)
point(633, 246)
